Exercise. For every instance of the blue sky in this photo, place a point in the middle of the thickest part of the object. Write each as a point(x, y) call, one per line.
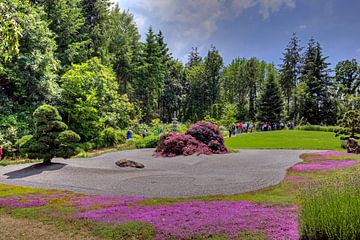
point(247, 28)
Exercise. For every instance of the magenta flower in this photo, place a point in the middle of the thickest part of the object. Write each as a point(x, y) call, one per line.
point(193, 218)
point(324, 165)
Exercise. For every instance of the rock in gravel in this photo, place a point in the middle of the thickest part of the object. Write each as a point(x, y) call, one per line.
point(129, 163)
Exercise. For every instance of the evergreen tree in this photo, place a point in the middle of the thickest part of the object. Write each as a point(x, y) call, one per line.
point(213, 67)
point(97, 18)
point(271, 102)
point(319, 103)
point(252, 76)
point(289, 71)
point(150, 81)
point(67, 22)
point(194, 58)
point(51, 138)
point(172, 97)
point(125, 49)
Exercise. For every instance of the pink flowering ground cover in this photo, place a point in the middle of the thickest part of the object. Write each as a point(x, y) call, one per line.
point(195, 218)
point(322, 161)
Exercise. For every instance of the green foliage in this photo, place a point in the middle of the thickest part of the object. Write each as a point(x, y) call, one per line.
point(111, 137)
point(349, 123)
point(66, 21)
point(271, 103)
point(51, 139)
point(319, 105)
point(23, 144)
point(147, 142)
point(331, 210)
point(91, 100)
point(8, 138)
point(289, 73)
point(129, 230)
point(318, 128)
point(10, 31)
point(34, 66)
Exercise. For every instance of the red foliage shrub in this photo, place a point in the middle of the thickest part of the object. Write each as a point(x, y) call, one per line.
point(201, 138)
point(180, 144)
point(209, 134)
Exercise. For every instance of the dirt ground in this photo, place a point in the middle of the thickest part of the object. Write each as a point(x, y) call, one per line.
point(24, 229)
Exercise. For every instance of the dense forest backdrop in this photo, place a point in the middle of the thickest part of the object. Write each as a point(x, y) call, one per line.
point(85, 57)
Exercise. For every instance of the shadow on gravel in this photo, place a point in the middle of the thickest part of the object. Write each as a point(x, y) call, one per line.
point(34, 170)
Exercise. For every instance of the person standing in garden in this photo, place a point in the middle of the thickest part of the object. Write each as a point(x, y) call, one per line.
point(1, 152)
point(144, 133)
point(129, 134)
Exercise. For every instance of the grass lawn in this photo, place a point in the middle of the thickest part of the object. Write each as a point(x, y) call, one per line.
point(293, 139)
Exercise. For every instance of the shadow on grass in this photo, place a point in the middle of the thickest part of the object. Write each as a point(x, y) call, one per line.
point(34, 170)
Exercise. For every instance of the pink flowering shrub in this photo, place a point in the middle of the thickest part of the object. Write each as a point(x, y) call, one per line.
point(201, 138)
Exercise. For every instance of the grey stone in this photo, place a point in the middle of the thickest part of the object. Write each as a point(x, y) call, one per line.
point(129, 163)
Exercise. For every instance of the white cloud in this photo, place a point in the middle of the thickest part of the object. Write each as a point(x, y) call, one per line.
point(191, 22)
point(303, 27)
point(358, 50)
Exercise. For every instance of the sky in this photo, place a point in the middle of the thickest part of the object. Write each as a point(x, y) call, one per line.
point(251, 28)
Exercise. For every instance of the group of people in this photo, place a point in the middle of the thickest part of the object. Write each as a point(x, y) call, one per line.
point(235, 129)
point(144, 132)
point(129, 133)
point(239, 128)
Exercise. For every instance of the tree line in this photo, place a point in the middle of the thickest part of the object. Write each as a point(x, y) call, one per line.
point(85, 57)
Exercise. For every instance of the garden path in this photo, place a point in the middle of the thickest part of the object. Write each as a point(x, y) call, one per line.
point(180, 176)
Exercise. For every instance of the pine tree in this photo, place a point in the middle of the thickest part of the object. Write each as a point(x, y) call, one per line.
point(150, 80)
point(271, 103)
point(97, 18)
point(320, 106)
point(194, 58)
point(289, 71)
point(124, 49)
point(213, 67)
point(252, 76)
point(67, 22)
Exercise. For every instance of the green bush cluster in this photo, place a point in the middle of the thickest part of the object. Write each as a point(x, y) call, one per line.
point(110, 137)
point(147, 142)
point(317, 128)
point(51, 138)
point(331, 210)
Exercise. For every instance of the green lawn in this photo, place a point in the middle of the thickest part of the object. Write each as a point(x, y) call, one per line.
point(286, 139)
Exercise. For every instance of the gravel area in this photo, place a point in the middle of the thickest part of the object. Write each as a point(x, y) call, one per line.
point(180, 176)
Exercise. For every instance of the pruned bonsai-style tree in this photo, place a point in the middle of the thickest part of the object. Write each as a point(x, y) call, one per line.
point(350, 127)
point(51, 139)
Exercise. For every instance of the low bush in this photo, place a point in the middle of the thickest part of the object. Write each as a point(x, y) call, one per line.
point(147, 142)
point(209, 134)
point(317, 128)
point(331, 210)
point(180, 144)
point(110, 137)
point(201, 138)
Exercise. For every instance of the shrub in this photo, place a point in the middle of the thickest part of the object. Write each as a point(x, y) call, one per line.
point(111, 137)
point(209, 134)
point(331, 210)
point(23, 144)
point(147, 142)
point(51, 139)
point(180, 144)
point(318, 128)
